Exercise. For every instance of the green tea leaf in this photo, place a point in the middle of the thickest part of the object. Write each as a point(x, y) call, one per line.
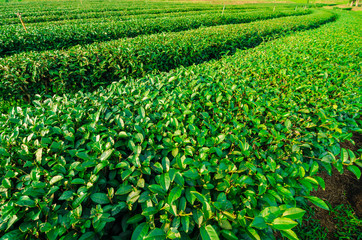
point(175, 194)
point(283, 223)
point(87, 235)
point(100, 198)
point(253, 233)
point(106, 155)
point(344, 155)
point(318, 202)
point(15, 234)
point(229, 235)
point(135, 219)
point(124, 189)
point(140, 232)
point(294, 213)
point(66, 195)
point(258, 222)
point(55, 179)
point(165, 181)
point(290, 234)
point(25, 201)
point(355, 170)
point(155, 234)
point(185, 221)
point(157, 189)
point(208, 233)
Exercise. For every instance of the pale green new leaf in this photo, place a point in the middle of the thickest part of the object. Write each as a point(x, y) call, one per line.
point(208, 233)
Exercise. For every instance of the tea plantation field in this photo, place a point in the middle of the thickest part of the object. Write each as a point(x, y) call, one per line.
point(127, 119)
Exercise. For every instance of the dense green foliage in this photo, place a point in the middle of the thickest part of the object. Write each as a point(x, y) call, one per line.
point(98, 64)
point(63, 36)
point(227, 149)
point(62, 16)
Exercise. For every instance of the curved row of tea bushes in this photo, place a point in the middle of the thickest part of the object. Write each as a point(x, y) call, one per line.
point(35, 10)
point(64, 36)
point(30, 26)
point(68, 16)
point(88, 67)
point(119, 8)
point(227, 149)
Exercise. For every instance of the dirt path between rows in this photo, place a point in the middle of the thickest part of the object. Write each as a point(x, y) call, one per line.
point(340, 189)
point(343, 6)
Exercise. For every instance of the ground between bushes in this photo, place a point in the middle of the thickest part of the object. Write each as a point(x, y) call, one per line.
point(340, 189)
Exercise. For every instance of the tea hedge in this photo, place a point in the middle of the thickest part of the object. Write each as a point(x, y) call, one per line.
point(128, 17)
point(227, 149)
point(72, 8)
point(61, 16)
point(24, 75)
point(34, 10)
point(64, 36)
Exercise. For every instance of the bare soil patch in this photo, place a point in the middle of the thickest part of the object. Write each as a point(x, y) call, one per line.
point(342, 6)
point(340, 189)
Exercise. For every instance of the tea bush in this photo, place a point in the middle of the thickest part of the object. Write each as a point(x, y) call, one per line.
point(227, 149)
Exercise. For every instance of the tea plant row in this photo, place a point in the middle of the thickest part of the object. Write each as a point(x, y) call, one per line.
point(49, 72)
point(50, 17)
point(64, 36)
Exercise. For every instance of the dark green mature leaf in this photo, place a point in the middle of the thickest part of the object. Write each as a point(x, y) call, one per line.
point(149, 211)
point(140, 232)
point(100, 198)
point(185, 221)
point(87, 235)
point(66, 195)
point(229, 235)
point(25, 201)
point(83, 155)
point(78, 181)
point(175, 194)
point(124, 189)
point(355, 170)
point(198, 217)
point(6, 183)
point(258, 222)
point(157, 189)
point(155, 234)
point(135, 219)
point(79, 200)
point(15, 234)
